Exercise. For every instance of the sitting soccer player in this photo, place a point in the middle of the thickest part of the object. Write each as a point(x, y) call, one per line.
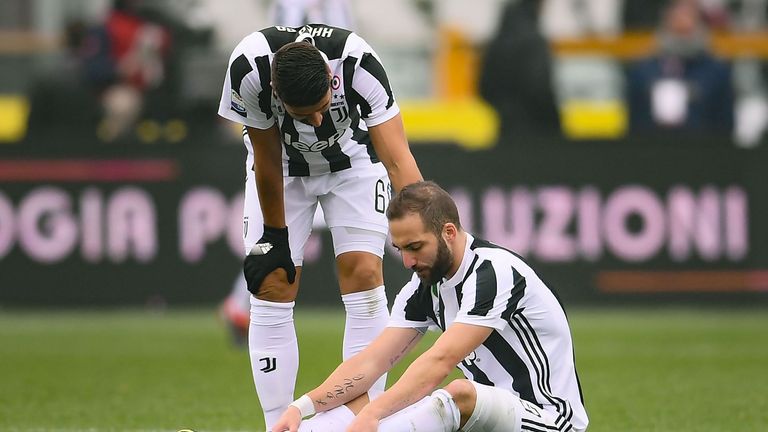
point(503, 327)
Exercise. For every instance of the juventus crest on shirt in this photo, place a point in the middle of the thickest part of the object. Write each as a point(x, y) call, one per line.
point(530, 351)
point(361, 97)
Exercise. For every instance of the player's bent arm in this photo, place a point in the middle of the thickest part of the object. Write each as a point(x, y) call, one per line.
point(357, 374)
point(391, 147)
point(429, 370)
point(268, 167)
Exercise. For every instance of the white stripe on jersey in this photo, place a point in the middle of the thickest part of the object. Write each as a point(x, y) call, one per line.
point(530, 351)
point(361, 98)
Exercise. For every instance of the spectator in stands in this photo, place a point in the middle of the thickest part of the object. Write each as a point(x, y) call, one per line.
point(124, 59)
point(516, 75)
point(681, 87)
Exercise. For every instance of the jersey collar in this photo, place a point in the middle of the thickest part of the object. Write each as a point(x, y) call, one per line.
point(466, 260)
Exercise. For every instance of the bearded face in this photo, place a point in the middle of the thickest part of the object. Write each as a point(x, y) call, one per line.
point(441, 263)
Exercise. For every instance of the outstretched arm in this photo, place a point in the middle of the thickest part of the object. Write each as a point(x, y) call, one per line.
point(391, 147)
point(356, 375)
point(423, 375)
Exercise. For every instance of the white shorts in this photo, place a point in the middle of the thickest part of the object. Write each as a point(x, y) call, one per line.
point(498, 409)
point(353, 204)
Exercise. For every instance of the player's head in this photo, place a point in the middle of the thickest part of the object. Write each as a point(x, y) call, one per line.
point(302, 80)
point(424, 222)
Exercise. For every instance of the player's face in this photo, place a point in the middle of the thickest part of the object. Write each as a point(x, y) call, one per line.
point(313, 114)
point(422, 251)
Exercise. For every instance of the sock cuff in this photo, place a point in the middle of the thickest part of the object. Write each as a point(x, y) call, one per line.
point(450, 406)
point(269, 304)
point(270, 314)
point(373, 294)
point(366, 304)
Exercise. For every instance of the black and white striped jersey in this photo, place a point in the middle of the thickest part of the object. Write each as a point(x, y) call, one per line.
point(529, 352)
point(361, 98)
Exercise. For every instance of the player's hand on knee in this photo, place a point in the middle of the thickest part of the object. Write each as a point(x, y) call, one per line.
point(271, 252)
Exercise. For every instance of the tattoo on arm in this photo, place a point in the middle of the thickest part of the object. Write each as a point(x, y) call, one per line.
point(402, 352)
point(340, 389)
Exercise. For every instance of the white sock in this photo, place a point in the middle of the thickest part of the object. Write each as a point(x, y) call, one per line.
point(435, 413)
point(335, 420)
point(367, 316)
point(274, 355)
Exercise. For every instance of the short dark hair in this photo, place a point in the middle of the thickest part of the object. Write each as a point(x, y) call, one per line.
point(300, 74)
point(428, 200)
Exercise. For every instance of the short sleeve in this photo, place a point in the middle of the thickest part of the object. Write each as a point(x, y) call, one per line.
point(413, 307)
point(372, 84)
point(246, 96)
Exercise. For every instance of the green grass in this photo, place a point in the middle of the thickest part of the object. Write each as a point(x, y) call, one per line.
point(641, 370)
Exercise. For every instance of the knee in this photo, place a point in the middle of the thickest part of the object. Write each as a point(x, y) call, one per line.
point(276, 288)
point(464, 395)
point(360, 274)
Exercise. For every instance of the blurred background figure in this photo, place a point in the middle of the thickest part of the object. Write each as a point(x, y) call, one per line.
point(125, 59)
point(516, 75)
point(682, 86)
point(123, 68)
point(295, 13)
point(580, 18)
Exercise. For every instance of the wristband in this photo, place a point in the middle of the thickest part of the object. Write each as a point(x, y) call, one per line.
point(305, 405)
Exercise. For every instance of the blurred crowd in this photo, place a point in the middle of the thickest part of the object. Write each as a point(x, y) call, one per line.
point(151, 71)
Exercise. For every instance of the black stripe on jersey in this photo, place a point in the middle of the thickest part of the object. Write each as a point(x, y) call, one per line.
point(333, 45)
point(459, 289)
point(441, 312)
point(353, 97)
point(361, 136)
point(562, 424)
point(374, 67)
point(485, 289)
point(538, 358)
point(297, 164)
point(506, 356)
point(518, 291)
point(418, 308)
point(530, 428)
point(354, 100)
point(533, 338)
point(336, 158)
point(265, 95)
point(237, 71)
point(531, 425)
point(478, 375)
point(277, 38)
point(479, 243)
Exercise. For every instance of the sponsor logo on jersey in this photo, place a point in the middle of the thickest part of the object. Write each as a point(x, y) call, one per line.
point(238, 104)
point(317, 146)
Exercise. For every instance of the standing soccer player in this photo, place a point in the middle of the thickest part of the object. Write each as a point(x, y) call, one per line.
point(321, 125)
point(503, 327)
point(235, 309)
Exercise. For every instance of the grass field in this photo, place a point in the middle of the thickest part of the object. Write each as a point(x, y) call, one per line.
point(641, 370)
